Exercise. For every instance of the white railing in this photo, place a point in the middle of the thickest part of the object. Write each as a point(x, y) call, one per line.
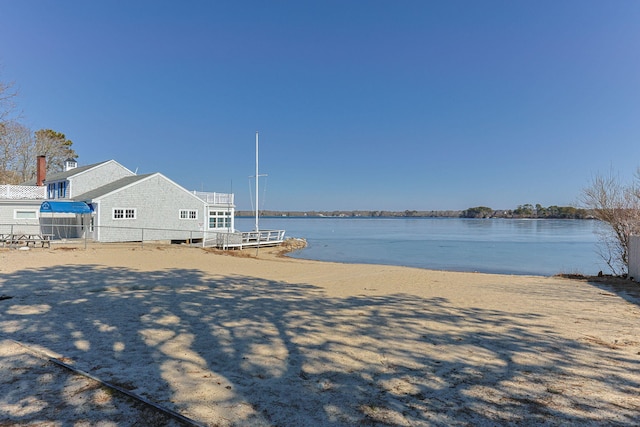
point(16, 192)
point(241, 239)
point(262, 237)
point(215, 198)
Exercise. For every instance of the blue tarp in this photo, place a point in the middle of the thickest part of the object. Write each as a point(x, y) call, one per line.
point(66, 207)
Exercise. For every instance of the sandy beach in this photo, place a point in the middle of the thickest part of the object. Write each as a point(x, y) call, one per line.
point(266, 340)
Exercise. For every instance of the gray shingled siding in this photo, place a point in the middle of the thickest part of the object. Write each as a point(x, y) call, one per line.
point(96, 177)
point(157, 202)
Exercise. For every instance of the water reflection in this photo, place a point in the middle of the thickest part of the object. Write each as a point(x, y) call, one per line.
point(511, 246)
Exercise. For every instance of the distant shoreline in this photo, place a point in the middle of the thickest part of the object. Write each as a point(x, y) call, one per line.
point(549, 213)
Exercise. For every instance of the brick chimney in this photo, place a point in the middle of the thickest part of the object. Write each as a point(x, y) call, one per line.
point(41, 171)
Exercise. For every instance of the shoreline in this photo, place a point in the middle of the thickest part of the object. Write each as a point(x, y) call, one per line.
point(450, 270)
point(501, 247)
point(236, 340)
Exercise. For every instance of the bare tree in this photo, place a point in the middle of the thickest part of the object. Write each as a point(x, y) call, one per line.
point(7, 101)
point(19, 149)
point(617, 205)
point(16, 146)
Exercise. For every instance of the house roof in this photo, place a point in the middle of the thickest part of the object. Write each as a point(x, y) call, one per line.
point(58, 176)
point(111, 187)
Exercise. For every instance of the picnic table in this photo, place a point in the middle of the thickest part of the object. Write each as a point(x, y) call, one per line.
point(17, 239)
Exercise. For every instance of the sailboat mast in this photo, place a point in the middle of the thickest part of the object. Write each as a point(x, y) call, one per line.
point(257, 179)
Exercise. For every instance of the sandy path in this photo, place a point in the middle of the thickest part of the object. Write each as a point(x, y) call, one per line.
point(241, 341)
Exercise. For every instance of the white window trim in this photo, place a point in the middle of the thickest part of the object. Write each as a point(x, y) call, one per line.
point(188, 214)
point(218, 214)
point(34, 211)
point(124, 214)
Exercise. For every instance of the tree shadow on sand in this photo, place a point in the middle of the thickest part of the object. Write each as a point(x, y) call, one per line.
point(245, 351)
point(627, 289)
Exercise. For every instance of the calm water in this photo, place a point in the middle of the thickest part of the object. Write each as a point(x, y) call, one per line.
point(509, 246)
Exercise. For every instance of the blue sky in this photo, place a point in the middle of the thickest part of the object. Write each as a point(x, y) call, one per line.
point(391, 105)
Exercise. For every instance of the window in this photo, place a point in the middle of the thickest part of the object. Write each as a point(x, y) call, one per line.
point(25, 214)
point(57, 190)
point(188, 214)
point(62, 189)
point(219, 219)
point(120, 213)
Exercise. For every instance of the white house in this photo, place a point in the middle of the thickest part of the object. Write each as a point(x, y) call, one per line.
point(108, 203)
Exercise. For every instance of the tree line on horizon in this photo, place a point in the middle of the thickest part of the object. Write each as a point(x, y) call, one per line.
point(529, 211)
point(522, 211)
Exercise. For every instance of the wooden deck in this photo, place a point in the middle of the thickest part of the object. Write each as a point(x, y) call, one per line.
point(246, 239)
